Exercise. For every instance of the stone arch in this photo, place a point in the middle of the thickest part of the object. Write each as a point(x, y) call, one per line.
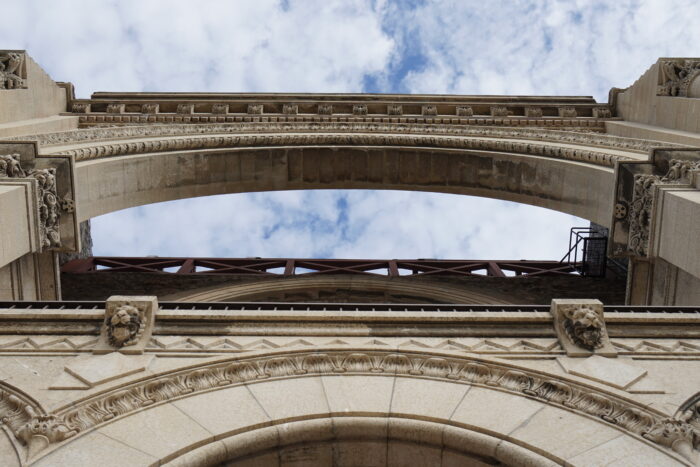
point(125, 167)
point(222, 406)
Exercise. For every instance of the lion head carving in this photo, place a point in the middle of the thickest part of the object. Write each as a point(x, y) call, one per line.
point(125, 325)
point(584, 327)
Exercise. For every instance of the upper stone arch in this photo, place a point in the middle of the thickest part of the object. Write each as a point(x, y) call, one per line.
point(133, 165)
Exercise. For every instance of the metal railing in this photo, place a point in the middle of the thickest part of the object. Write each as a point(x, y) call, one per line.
point(296, 267)
point(587, 252)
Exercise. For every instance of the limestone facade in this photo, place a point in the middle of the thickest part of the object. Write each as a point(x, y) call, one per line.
point(197, 378)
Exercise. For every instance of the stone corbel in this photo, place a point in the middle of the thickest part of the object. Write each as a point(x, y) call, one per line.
point(580, 327)
point(128, 324)
point(53, 179)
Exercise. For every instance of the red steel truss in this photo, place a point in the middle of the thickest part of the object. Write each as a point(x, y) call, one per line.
point(294, 266)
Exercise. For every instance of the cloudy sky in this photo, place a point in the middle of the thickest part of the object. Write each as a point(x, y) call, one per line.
point(582, 47)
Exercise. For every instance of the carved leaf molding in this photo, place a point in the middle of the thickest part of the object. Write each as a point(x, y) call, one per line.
point(450, 142)
point(636, 420)
point(540, 134)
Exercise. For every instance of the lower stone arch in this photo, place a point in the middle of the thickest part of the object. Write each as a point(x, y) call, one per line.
point(346, 441)
point(162, 418)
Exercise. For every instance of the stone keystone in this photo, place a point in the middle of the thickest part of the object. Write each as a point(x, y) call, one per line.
point(580, 327)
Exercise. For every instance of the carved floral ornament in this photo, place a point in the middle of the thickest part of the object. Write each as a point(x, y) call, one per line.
point(49, 203)
point(676, 76)
point(635, 419)
point(11, 71)
point(640, 211)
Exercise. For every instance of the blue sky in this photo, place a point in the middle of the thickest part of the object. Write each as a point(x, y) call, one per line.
point(546, 47)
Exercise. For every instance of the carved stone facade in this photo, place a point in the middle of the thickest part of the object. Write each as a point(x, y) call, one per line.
point(12, 71)
point(676, 76)
point(133, 380)
point(50, 205)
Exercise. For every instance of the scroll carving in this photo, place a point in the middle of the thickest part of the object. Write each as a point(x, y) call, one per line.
point(255, 109)
point(325, 109)
point(675, 77)
point(50, 205)
point(640, 211)
point(11, 71)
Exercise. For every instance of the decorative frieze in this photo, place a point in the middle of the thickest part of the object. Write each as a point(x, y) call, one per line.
point(359, 109)
point(115, 108)
point(634, 419)
point(500, 111)
point(185, 109)
point(429, 110)
point(602, 112)
point(128, 324)
point(325, 109)
point(10, 166)
point(533, 112)
point(676, 76)
point(80, 108)
point(464, 111)
point(255, 109)
point(219, 109)
point(290, 109)
point(284, 139)
point(567, 112)
point(150, 108)
point(12, 71)
point(394, 109)
point(580, 327)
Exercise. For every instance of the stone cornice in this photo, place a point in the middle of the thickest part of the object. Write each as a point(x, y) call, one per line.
point(95, 134)
point(563, 145)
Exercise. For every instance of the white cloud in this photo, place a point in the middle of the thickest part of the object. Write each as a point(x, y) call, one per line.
point(580, 47)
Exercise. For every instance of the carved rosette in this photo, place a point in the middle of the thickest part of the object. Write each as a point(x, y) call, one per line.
point(50, 205)
point(675, 77)
point(12, 71)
